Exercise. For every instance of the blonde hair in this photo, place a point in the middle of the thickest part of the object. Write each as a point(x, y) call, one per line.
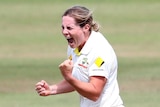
point(82, 16)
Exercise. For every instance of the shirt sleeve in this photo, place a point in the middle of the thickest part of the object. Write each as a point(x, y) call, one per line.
point(99, 68)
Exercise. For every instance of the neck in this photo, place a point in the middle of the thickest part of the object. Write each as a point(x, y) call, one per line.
point(81, 46)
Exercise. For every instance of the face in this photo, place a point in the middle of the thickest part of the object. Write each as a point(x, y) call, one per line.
point(74, 34)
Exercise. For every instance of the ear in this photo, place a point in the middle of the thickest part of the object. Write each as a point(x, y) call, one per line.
point(86, 27)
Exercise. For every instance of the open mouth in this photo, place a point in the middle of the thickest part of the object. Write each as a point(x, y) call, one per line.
point(70, 40)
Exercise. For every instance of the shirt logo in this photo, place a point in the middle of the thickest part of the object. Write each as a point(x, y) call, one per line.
point(99, 62)
point(70, 57)
point(84, 63)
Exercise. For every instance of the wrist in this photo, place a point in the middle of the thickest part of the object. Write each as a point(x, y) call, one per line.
point(53, 90)
point(70, 79)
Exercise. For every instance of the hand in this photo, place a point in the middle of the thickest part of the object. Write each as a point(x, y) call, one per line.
point(43, 88)
point(66, 68)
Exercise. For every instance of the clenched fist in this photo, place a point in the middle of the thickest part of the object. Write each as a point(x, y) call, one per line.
point(43, 88)
point(66, 68)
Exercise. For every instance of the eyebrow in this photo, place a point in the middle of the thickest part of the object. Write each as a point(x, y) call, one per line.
point(70, 25)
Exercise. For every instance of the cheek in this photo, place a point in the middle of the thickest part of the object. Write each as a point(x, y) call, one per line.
point(79, 36)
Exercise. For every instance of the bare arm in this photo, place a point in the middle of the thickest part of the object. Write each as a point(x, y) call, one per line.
point(62, 87)
point(44, 89)
point(91, 89)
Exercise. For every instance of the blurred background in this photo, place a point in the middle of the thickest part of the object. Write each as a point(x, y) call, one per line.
point(32, 47)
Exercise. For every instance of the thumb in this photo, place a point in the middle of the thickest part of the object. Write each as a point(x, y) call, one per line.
point(45, 84)
point(70, 62)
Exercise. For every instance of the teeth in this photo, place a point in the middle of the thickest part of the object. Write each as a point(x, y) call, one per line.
point(70, 40)
point(68, 37)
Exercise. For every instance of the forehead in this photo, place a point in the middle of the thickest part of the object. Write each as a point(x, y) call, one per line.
point(67, 20)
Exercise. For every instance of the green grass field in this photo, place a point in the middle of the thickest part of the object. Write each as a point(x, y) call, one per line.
point(32, 47)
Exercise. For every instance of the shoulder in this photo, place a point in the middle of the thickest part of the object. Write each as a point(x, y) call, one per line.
point(99, 38)
point(102, 48)
point(100, 42)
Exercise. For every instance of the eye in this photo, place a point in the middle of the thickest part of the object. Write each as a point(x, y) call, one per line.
point(62, 27)
point(69, 28)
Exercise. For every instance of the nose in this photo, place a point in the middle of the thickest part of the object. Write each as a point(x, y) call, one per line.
point(65, 32)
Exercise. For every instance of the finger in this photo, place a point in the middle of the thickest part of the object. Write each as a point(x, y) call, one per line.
point(39, 84)
point(40, 90)
point(70, 62)
point(44, 83)
point(44, 93)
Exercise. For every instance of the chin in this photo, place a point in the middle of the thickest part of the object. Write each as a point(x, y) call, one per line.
point(72, 46)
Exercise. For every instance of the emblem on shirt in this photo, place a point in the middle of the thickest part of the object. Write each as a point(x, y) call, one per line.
point(84, 63)
point(99, 62)
point(70, 57)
